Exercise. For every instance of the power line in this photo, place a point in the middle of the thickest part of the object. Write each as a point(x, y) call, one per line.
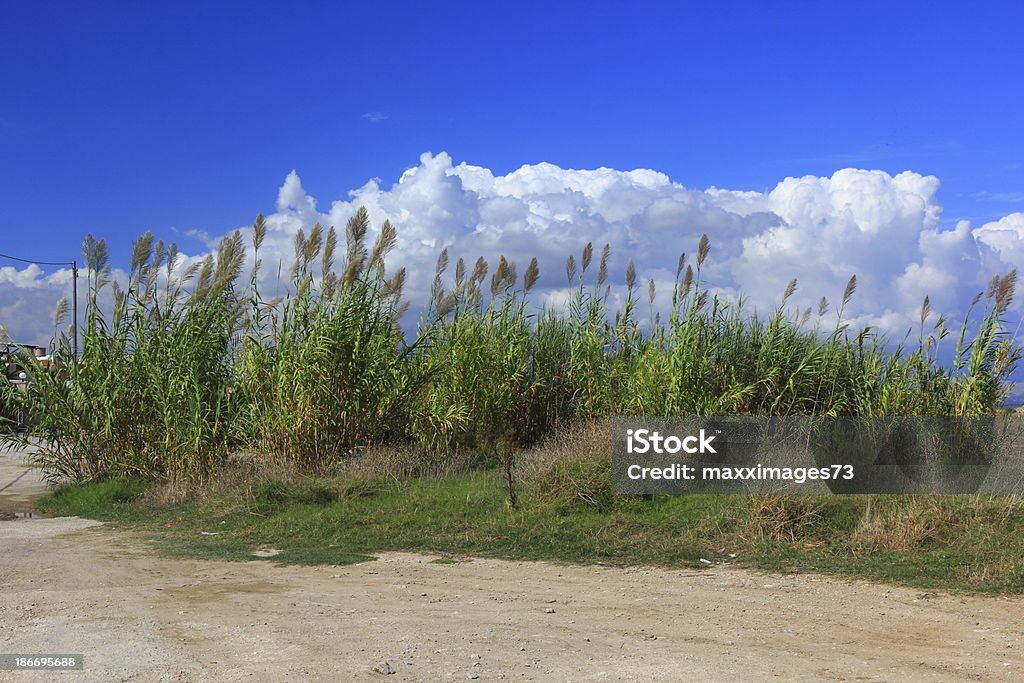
point(38, 263)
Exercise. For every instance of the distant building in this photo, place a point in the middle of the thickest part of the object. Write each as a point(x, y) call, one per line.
point(12, 362)
point(12, 359)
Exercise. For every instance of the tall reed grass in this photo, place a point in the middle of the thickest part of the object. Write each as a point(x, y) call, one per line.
point(190, 365)
point(148, 396)
point(324, 371)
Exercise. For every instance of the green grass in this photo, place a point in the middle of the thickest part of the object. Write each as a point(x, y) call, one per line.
point(970, 544)
point(107, 500)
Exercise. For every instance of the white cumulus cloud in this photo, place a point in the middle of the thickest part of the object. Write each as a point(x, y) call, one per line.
point(885, 229)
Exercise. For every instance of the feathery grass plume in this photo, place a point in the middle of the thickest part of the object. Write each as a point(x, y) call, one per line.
point(500, 277)
point(60, 312)
point(822, 307)
point(687, 280)
point(204, 277)
point(355, 240)
point(473, 288)
point(397, 314)
point(460, 272)
point(395, 285)
point(172, 259)
point(442, 263)
point(993, 283)
point(97, 259)
point(630, 274)
point(806, 316)
point(1004, 291)
point(159, 254)
point(299, 244)
point(448, 302)
point(190, 271)
point(479, 271)
point(120, 300)
point(230, 260)
point(602, 266)
point(259, 231)
point(328, 278)
point(926, 309)
point(142, 249)
point(790, 288)
point(314, 243)
point(330, 247)
point(510, 277)
point(681, 264)
point(651, 291)
point(88, 250)
point(531, 275)
point(386, 240)
point(851, 287)
point(170, 265)
point(703, 248)
point(570, 268)
point(588, 255)
point(437, 293)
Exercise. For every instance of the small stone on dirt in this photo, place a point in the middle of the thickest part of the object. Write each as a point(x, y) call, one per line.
point(384, 668)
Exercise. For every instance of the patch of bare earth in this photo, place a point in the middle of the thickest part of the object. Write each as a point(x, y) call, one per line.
point(136, 616)
point(70, 586)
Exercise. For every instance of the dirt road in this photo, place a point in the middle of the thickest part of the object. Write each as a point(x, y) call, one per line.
point(72, 586)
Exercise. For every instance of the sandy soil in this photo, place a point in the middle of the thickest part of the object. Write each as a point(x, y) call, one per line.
point(19, 483)
point(72, 586)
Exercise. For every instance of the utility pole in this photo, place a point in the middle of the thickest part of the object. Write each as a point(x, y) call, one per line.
point(74, 316)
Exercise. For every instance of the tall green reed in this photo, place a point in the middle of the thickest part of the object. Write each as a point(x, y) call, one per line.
point(326, 371)
point(188, 366)
point(148, 396)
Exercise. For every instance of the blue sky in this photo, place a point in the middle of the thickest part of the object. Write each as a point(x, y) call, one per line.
point(121, 117)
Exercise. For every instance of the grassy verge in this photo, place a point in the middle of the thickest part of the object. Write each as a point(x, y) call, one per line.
point(964, 543)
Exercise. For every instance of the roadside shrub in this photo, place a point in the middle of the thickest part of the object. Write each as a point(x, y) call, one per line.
point(785, 518)
point(586, 483)
point(572, 467)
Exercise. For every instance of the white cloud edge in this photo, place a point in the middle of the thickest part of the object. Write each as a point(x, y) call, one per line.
point(885, 228)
